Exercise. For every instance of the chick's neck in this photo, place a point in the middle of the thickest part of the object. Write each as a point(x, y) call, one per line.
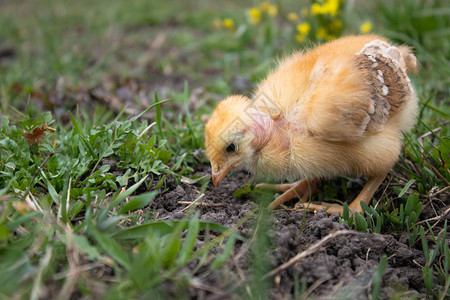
point(271, 144)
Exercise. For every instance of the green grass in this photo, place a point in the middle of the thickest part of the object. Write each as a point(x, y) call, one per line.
point(75, 199)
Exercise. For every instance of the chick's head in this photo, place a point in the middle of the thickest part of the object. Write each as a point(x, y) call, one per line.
point(229, 136)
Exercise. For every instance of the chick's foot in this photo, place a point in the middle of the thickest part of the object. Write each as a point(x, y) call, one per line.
point(302, 189)
point(365, 196)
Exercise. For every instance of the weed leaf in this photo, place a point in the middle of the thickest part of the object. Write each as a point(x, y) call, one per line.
point(138, 202)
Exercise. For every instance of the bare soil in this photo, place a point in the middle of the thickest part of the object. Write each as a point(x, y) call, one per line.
point(342, 268)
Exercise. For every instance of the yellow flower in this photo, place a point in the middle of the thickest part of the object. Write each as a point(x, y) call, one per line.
point(293, 17)
point(365, 27)
point(268, 8)
point(332, 7)
point(300, 38)
point(322, 33)
point(316, 9)
point(264, 6)
point(228, 23)
point(272, 11)
point(336, 26)
point(304, 28)
point(254, 15)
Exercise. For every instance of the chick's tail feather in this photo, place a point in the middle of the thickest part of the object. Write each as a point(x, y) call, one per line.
point(409, 58)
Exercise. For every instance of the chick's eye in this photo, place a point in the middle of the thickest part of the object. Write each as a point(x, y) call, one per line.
point(231, 147)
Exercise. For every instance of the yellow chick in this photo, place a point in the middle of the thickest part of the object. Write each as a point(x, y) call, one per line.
point(337, 110)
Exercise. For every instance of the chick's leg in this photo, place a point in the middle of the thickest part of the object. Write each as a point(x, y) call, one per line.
point(366, 194)
point(301, 189)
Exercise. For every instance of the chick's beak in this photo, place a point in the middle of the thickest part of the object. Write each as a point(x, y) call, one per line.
point(219, 173)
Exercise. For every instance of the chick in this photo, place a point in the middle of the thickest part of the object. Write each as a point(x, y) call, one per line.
point(337, 110)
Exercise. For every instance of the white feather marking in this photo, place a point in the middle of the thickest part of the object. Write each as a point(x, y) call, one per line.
point(372, 108)
point(385, 90)
point(364, 124)
point(380, 76)
point(371, 58)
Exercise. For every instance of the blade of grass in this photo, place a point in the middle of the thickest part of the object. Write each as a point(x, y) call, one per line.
point(221, 259)
point(110, 246)
point(78, 130)
point(189, 241)
point(149, 108)
point(123, 195)
point(158, 117)
point(138, 202)
point(406, 187)
point(377, 277)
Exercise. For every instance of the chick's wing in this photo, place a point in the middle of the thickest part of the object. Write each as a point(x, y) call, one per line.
point(352, 95)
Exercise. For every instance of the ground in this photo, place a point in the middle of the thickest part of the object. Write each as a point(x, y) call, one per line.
point(343, 268)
